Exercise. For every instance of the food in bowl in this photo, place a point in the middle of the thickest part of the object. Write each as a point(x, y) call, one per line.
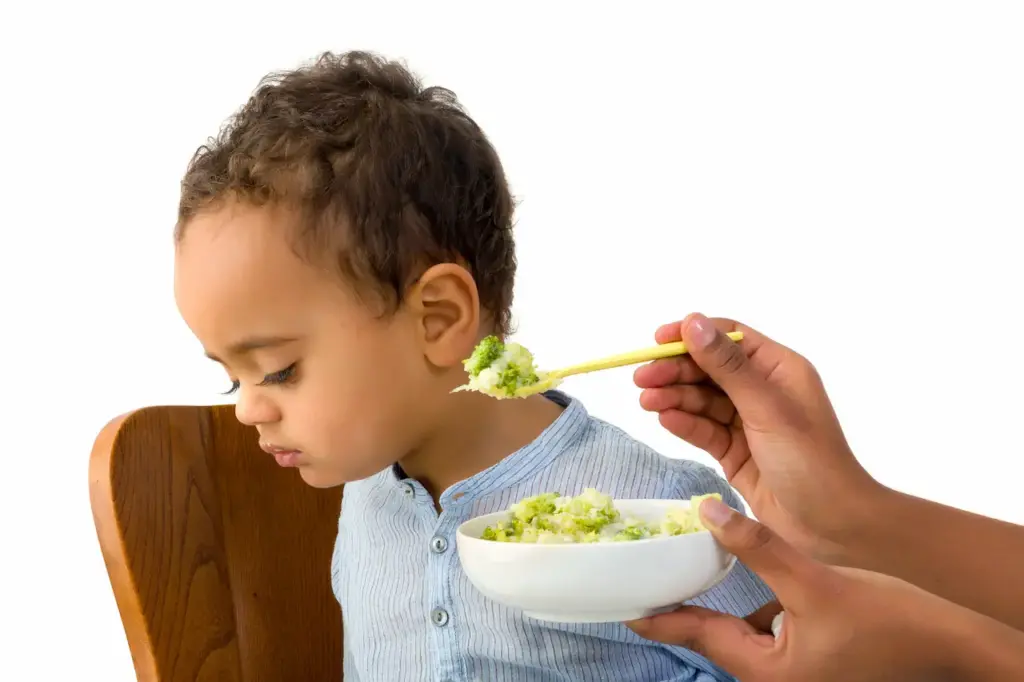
point(570, 581)
point(550, 518)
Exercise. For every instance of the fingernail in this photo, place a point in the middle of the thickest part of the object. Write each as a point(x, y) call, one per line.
point(715, 512)
point(701, 331)
point(777, 624)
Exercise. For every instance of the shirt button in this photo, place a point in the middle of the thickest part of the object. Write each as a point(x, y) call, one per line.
point(439, 617)
point(438, 545)
point(408, 490)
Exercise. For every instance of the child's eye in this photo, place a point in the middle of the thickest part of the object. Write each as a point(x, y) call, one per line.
point(234, 387)
point(279, 377)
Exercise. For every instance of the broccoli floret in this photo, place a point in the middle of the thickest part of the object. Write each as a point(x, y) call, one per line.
point(631, 533)
point(501, 370)
point(484, 355)
point(531, 507)
point(518, 370)
point(508, 380)
point(593, 507)
point(514, 377)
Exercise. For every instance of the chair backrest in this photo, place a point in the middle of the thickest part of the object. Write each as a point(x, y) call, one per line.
point(219, 560)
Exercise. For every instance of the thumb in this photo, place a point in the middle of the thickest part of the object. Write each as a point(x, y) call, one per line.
point(727, 641)
point(792, 576)
point(723, 360)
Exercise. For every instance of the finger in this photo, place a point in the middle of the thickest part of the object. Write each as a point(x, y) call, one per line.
point(729, 642)
point(726, 443)
point(792, 576)
point(698, 400)
point(743, 369)
point(712, 437)
point(725, 362)
point(777, 624)
point(761, 620)
point(673, 331)
point(678, 370)
point(669, 333)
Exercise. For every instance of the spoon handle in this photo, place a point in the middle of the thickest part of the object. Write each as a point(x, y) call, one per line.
point(635, 357)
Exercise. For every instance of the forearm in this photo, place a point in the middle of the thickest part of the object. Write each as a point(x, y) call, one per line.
point(982, 649)
point(971, 560)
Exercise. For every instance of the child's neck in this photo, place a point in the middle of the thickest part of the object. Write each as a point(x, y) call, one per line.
point(476, 432)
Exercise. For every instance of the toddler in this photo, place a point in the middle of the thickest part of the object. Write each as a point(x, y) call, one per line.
point(341, 247)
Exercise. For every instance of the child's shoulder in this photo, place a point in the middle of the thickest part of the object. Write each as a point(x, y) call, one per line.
point(609, 459)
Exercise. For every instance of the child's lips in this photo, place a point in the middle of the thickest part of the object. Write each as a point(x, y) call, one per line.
point(289, 458)
point(285, 457)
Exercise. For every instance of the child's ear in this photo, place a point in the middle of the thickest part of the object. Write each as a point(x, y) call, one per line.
point(447, 305)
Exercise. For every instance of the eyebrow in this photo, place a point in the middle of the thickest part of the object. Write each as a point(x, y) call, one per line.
point(254, 343)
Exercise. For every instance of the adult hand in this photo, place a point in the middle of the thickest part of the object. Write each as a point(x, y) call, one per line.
point(761, 410)
point(839, 624)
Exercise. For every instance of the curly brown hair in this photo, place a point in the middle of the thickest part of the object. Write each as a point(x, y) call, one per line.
point(389, 177)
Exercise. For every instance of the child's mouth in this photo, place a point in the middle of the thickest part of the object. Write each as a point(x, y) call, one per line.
point(284, 456)
point(287, 458)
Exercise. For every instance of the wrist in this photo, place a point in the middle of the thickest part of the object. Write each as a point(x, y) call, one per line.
point(952, 641)
point(976, 648)
point(863, 523)
point(985, 650)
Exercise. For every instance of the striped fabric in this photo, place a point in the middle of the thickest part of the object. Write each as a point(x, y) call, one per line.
point(411, 614)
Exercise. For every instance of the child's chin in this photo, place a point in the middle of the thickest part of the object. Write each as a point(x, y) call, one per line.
point(316, 478)
point(316, 475)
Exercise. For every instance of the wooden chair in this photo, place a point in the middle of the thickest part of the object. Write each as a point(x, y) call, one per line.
point(219, 560)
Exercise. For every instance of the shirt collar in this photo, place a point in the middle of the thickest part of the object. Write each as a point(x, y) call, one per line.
point(554, 441)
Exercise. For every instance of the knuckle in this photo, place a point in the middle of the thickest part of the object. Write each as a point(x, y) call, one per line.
point(668, 371)
point(699, 401)
point(695, 646)
point(807, 371)
point(752, 535)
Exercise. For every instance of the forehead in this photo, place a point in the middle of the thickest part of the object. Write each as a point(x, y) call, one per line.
point(236, 274)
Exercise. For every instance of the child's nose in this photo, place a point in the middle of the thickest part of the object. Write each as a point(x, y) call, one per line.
point(255, 408)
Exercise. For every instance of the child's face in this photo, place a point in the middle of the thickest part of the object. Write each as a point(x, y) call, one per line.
point(334, 388)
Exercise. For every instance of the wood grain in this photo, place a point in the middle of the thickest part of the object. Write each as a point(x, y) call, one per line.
point(219, 560)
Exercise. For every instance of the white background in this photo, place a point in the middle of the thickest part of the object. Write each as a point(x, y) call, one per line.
point(845, 176)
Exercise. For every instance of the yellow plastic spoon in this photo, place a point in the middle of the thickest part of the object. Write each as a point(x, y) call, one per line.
point(549, 380)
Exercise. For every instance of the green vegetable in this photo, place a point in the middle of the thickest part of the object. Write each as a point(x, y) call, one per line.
point(500, 369)
point(588, 517)
point(484, 355)
point(634, 532)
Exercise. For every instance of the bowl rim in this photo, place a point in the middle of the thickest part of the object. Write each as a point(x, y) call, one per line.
point(461, 534)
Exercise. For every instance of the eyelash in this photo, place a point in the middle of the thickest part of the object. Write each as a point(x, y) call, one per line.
point(273, 379)
point(280, 377)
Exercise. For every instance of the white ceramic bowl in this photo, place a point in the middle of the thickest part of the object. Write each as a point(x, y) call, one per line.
point(595, 582)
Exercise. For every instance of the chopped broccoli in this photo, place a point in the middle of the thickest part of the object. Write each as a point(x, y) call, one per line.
point(632, 533)
point(588, 517)
point(500, 369)
point(484, 355)
point(679, 521)
point(530, 508)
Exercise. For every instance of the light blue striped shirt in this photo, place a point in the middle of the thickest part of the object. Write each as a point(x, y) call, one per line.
point(411, 614)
